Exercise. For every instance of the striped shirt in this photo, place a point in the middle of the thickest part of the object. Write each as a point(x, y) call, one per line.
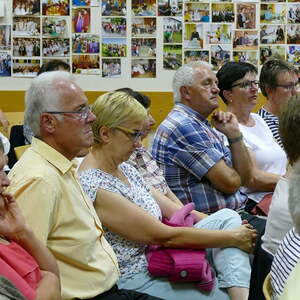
point(285, 259)
point(273, 124)
point(186, 147)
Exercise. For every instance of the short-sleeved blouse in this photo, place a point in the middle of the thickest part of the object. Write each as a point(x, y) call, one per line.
point(131, 255)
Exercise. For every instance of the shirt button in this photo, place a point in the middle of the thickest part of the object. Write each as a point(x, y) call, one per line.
point(183, 273)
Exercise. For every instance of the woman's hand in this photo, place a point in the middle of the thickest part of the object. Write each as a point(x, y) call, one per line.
point(245, 237)
point(12, 222)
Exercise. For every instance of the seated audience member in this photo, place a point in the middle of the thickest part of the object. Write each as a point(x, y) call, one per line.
point(22, 135)
point(239, 89)
point(142, 159)
point(24, 260)
point(45, 185)
point(119, 193)
point(286, 266)
point(278, 82)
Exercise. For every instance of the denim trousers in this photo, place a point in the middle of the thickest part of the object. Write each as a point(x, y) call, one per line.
point(231, 264)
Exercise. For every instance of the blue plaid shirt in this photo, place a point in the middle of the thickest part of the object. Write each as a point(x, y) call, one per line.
point(186, 147)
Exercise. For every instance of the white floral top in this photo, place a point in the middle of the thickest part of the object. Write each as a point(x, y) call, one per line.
point(131, 255)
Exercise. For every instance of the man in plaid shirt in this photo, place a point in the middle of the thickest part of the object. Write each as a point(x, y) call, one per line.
point(197, 163)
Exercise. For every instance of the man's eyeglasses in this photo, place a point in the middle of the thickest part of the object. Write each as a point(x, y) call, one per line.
point(135, 135)
point(246, 84)
point(81, 114)
point(290, 86)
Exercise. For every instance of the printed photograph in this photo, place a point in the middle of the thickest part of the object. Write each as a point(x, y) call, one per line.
point(114, 27)
point(272, 34)
point(5, 12)
point(86, 2)
point(170, 7)
point(293, 15)
point(193, 37)
point(5, 43)
point(111, 67)
point(273, 13)
point(219, 55)
point(219, 34)
point(245, 40)
point(246, 16)
point(46, 60)
point(85, 43)
point(172, 57)
point(293, 34)
point(143, 27)
point(246, 56)
point(81, 20)
point(113, 47)
point(26, 7)
point(56, 27)
point(56, 47)
point(266, 52)
point(25, 67)
point(196, 55)
point(26, 47)
point(293, 55)
point(143, 68)
point(143, 47)
point(86, 64)
point(5, 64)
point(196, 12)
point(172, 30)
point(26, 26)
point(222, 12)
point(113, 7)
point(56, 7)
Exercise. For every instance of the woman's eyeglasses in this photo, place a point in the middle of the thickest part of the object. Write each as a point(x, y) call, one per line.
point(135, 135)
point(246, 84)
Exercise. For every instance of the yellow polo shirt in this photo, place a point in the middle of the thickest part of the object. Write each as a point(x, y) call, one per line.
point(45, 185)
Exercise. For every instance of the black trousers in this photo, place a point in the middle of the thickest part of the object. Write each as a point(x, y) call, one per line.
point(115, 293)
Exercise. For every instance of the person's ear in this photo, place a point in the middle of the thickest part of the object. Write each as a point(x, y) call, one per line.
point(47, 122)
point(105, 134)
point(227, 94)
point(184, 92)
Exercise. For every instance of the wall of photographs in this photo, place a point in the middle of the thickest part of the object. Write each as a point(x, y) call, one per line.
point(139, 43)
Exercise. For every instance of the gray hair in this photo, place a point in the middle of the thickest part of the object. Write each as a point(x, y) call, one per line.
point(185, 75)
point(294, 195)
point(43, 95)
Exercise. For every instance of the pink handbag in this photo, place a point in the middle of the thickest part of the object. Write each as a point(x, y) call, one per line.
point(181, 265)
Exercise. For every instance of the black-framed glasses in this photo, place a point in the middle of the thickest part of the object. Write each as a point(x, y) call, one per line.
point(246, 84)
point(135, 135)
point(82, 114)
point(290, 86)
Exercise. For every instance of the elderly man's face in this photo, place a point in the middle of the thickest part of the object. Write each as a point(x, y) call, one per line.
point(287, 86)
point(202, 95)
point(73, 133)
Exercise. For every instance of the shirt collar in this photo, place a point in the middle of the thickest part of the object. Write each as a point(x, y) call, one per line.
point(191, 112)
point(52, 156)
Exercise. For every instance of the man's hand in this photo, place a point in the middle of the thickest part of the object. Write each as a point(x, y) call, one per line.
point(226, 122)
point(12, 222)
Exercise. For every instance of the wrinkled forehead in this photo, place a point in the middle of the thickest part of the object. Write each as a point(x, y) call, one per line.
point(203, 73)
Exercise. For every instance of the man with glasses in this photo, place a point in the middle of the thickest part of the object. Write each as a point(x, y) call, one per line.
point(278, 83)
point(45, 184)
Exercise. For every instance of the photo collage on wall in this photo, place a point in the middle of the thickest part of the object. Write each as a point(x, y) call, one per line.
point(96, 37)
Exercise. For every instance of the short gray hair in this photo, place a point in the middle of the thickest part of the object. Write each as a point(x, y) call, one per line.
point(185, 75)
point(42, 96)
point(294, 195)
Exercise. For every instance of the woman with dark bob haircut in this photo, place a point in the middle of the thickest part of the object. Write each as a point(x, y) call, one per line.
point(239, 90)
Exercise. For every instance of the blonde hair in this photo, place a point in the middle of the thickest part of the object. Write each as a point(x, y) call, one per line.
point(114, 109)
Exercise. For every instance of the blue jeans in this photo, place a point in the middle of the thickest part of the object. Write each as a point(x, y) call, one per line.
point(231, 264)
